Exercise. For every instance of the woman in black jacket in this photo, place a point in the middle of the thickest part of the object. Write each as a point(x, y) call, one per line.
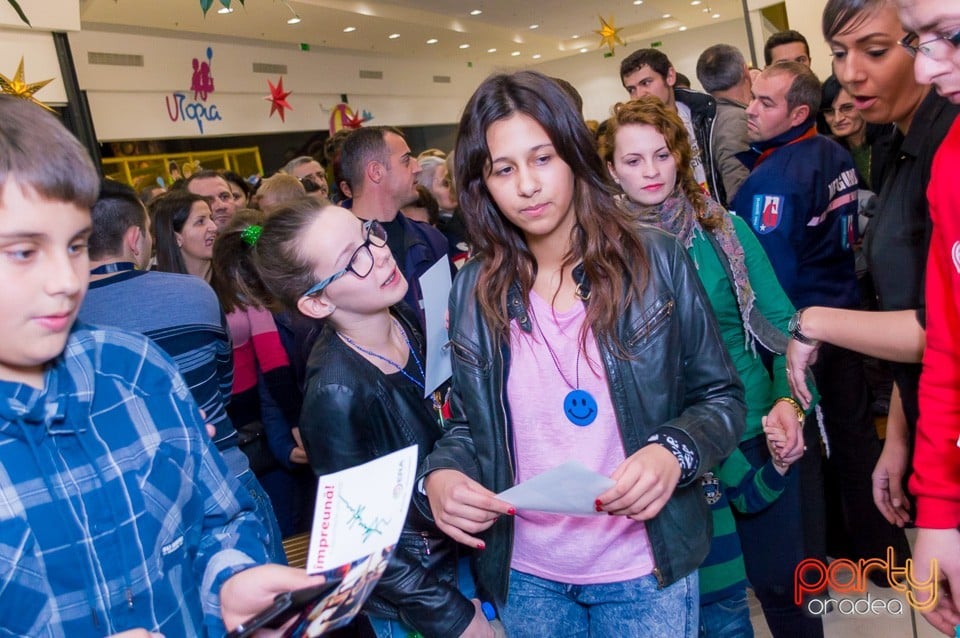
point(576, 337)
point(364, 391)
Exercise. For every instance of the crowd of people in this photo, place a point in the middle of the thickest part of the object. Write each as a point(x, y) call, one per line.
point(681, 298)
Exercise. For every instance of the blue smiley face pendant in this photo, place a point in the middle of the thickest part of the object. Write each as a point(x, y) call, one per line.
point(580, 407)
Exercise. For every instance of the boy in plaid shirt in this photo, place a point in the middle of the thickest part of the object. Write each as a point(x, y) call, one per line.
point(116, 512)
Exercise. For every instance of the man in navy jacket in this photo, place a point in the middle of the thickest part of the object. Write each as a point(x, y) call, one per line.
point(801, 202)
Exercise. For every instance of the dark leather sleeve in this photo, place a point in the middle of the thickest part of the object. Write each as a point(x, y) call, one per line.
point(714, 413)
point(455, 450)
point(333, 426)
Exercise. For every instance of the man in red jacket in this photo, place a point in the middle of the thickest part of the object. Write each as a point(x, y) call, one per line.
point(933, 39)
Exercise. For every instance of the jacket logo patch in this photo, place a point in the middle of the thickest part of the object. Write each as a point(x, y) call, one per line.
point(767, 211)
point(955, 253)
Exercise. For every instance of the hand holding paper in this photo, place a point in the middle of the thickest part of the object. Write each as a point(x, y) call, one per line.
point(567, 489)
point(645, 481)
point(461, 506)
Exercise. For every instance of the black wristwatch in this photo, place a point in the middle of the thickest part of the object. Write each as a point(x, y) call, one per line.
point(795, 331)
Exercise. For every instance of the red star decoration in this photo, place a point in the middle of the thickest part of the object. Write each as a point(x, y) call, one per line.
point(278, 99)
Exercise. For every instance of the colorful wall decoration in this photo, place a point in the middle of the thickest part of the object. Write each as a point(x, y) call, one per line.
point(202, 85)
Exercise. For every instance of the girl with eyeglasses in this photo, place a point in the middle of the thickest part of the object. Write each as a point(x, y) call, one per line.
point(364, 393)
point(877, 71)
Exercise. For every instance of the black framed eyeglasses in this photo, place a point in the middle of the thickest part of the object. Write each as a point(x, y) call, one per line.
point(361, 261)
point(935, 48)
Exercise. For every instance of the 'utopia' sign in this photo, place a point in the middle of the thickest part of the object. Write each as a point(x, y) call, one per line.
point(181, 107)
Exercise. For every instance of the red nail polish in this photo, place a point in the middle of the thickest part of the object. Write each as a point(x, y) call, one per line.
point(481, 546)
point(598, 504)
point(598, 507)
point(512, 511)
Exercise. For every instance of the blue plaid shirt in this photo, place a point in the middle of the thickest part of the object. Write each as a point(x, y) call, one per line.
point(116, 511)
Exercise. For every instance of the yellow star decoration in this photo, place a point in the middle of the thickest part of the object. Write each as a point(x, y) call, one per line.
point(609, 34)
point(18, 88)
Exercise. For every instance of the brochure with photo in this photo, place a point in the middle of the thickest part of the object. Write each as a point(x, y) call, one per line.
point(357, 522)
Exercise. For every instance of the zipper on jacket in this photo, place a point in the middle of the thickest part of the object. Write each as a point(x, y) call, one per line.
point(658, 576)
point(508, 437)
point(662, 312)
point(426, 543)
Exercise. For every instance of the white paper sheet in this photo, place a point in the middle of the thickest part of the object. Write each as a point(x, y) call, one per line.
point(435, 284)
point(360, 511)
point(570, 488)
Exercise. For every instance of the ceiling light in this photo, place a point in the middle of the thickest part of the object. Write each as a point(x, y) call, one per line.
point(536, 56)
point(515, 53)
point(491, 50)
point(476, 12)
point(223, 10)
point(432, 41)
point(393, 36)
point(574, 37)
point(682, 29)
point(706, 9)
point(637, 1)
point(350, 29)
point(584, 50)
point(534, 26)
point(464, 46)
point(295, 19)
point(715, 16)
point(665, 16)
point(694, 2)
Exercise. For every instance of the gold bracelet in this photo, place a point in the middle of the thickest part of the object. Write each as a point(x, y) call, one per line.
point(801, 414)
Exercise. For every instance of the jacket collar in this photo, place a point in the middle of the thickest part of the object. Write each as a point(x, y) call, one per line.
point(761, 150)
point(517, 305)
point(26, 411)
point(784, 138)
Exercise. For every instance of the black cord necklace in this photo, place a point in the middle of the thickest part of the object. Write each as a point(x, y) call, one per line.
point(437, 405)
point(579, 406)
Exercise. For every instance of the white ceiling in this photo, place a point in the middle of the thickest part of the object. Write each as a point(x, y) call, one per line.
point(564, 26)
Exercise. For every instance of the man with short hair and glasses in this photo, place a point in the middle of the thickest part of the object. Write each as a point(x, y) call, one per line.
point(934, 41)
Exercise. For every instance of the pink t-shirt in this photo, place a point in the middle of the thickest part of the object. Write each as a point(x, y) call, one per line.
point(578, 550)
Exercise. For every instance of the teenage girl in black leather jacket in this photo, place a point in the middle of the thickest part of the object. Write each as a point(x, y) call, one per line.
point(363, 396)
point(576, 337)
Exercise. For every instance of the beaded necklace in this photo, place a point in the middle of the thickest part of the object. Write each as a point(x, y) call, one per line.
point(413, 353)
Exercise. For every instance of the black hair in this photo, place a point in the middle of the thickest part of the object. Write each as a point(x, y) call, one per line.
point(781, 38)
point(115, 211)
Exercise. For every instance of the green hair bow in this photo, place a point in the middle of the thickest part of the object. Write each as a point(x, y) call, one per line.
point(251, 234)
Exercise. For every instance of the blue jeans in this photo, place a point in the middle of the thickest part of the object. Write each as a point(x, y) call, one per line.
point(239, 466)
point(538, 607)
point(726, 618)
